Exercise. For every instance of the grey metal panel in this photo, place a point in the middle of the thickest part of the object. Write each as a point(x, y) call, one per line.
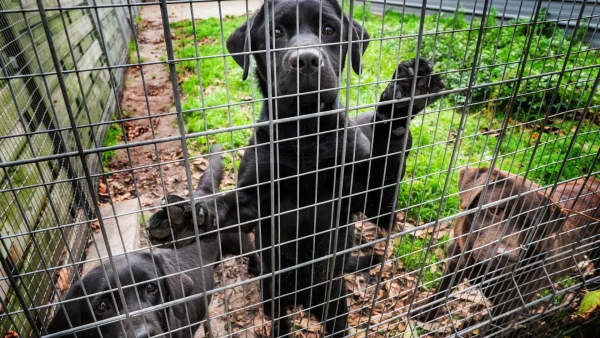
point(565, 12)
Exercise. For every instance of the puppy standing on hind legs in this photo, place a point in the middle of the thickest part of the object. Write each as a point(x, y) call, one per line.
point(310, 190)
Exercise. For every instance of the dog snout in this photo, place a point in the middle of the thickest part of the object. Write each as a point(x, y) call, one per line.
point(506, 256)
point(141, 333)
point(307, 61)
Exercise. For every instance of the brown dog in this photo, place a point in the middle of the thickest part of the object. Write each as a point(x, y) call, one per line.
point(518, 241)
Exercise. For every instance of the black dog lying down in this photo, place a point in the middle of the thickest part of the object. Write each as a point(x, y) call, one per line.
point(154, 286)
point(232, 243)
point(511, 257)
point(323, 172)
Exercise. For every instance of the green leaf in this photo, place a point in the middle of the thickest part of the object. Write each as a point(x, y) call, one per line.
point(589, 303)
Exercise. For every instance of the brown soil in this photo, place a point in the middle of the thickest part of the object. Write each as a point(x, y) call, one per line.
point(148, 109)
point(142, 171)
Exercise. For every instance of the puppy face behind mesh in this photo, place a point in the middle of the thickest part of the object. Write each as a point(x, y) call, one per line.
point(307, 49)
point(142, 289)
point(513, 211)
point(516, 240)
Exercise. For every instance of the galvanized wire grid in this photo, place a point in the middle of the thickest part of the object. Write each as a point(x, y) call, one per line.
point(64, 67)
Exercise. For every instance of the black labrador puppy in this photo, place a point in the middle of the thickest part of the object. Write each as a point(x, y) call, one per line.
point(177, 214)
point(322, 172)
point(143, 279)
point(147, 280)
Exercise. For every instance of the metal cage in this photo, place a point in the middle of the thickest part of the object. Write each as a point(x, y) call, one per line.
point(109, 106)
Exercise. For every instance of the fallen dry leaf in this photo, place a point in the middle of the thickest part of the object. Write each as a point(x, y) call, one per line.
point(474, 296)
point(62, 283)
point(411, 330)
point(400, 216)
point(177, 155)
point(366, 231)
point(116, 187)
point(405, 226)
point(263, 326)
point(11, 334)
point(156, 122)
point(387, 270)
point(309, 324)
point(435, 327)
point(146, 201)
point(125, 196)
point(442, 229)
point(102, 188)
point(96, 226)
point(200, 163)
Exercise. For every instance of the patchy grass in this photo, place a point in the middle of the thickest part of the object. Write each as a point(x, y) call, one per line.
point(133, 56)
point(214, 98)
point(113, 135)
point(211, 82)
point(411, 252)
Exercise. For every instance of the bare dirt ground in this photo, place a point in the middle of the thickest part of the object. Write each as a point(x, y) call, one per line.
point(149, 115)
point(146, 110)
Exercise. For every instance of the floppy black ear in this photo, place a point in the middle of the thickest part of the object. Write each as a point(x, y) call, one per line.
point(358, 48)
point(239, 42)
point(178, 286)
point(72, 308)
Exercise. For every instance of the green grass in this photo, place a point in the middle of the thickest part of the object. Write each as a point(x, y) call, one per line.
point(138, 20)
point(133, 56)
point(429, 190)
point(412, 251)
point(113, 135)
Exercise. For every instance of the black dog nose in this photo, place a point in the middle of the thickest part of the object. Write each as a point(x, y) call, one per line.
point(307, 61)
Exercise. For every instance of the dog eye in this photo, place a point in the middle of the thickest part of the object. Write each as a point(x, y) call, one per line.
point(101, 307)
point(278, 33)
point(151, 288)
point(328, 30)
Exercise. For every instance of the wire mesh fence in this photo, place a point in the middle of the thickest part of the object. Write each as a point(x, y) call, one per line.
point(299, 168)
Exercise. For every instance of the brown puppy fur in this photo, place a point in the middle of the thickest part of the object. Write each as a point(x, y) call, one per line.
point(513, 249)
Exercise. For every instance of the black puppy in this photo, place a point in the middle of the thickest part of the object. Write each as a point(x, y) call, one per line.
point(323, 172)
point(148, 280)
point(183, 231)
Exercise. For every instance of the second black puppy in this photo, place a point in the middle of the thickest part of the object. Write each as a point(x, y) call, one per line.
point(147, 280)
point(152, 279)
point(323, 172)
